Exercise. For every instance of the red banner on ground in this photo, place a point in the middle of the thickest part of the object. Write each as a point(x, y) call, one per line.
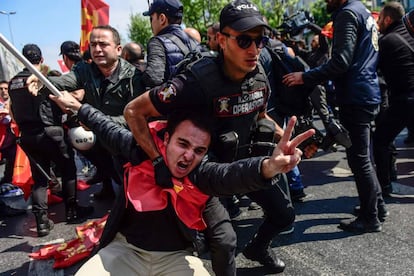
point(71, 252)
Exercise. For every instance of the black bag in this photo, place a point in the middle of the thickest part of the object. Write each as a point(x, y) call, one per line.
point(292, 100)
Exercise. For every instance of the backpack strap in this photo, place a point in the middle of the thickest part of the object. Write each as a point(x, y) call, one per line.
point(276, 57)
point(177, 41)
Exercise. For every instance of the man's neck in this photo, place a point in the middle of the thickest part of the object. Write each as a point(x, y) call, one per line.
point(108, 71)
point(234, 75)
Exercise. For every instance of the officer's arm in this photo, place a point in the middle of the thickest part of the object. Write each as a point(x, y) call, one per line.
point(136, 114)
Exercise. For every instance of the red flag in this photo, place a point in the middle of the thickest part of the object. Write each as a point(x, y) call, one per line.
point(62, 66)
point(68, 253)
point(93, 13)
point(22, 175)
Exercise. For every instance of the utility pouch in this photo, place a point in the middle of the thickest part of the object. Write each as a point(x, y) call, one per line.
point(227, 148)
point(263, 138)
point(57, 134)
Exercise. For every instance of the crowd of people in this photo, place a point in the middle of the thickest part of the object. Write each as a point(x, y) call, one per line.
point(176, 146)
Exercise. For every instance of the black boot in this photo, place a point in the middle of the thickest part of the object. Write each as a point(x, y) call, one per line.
point(107, 191)
point(76, 213)
point(43, 224)
point(262, 253)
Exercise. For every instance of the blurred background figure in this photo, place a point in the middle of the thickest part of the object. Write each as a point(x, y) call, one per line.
point(134, 53)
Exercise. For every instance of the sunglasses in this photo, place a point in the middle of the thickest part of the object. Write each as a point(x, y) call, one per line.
point(245, 41)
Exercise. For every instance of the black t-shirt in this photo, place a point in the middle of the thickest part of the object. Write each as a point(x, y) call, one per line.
point(153, 230)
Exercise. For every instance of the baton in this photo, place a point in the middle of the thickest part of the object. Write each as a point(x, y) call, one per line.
point(29, 66)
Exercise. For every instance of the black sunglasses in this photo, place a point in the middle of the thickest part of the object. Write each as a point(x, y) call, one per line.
point(244, 41)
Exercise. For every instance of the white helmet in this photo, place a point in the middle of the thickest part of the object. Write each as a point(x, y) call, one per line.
point(81, 138)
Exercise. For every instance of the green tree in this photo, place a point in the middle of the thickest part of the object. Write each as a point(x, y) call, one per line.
point(273, 11)
point(318, 10)
point(139, 28)
point(199, 14)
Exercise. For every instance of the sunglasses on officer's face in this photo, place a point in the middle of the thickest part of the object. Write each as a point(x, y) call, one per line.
point(245, 41)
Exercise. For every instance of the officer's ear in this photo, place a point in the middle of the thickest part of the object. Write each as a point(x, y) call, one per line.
point(163, 19)
point(221, 40)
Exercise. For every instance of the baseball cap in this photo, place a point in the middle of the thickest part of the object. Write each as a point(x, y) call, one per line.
point(71, 49)
point(408, 20)
point(32, 53)
point(241, 15)
point(169, 7)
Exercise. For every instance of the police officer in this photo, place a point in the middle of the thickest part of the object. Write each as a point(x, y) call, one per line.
point(164, 53)
point(233, 89)
point(352, 67)
point(43, 139)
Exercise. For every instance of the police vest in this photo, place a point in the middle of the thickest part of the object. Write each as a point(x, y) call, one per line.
point(234, 106)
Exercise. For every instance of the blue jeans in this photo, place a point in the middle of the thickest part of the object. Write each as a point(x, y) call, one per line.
point(294, 179)
point(357, 119)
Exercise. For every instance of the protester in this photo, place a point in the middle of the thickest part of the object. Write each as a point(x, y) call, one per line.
point(4, 90)
point(134, 53)
point(7, 137)
point(352, 67)
point(194, 34)
point(233, 90)
point(43, 139)
point(212, 31)
point(396, 62)
point(148, 230)
point(70, 52)
point(110, 82)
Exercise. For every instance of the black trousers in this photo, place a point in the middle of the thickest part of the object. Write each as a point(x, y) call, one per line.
point(357, 119)
point(107, 166)
point(41, 150)
point(393, 120)
point(221, 238)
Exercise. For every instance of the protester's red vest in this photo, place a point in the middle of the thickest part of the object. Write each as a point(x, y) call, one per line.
point(141, 190)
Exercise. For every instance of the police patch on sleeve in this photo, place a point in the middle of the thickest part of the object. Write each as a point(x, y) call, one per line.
point(166, 93)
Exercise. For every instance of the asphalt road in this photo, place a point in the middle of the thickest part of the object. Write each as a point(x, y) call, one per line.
point(316, 247)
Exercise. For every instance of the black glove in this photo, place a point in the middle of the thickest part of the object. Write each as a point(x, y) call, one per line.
point(162, 173)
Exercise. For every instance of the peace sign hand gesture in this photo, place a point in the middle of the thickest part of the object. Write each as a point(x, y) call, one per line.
point(286, 155)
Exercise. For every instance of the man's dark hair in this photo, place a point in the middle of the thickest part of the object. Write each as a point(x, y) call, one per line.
point(394, 10)
point(174, 19)
point(33, 53)
point(201, 121)
point(115, 33)
point(4, 81)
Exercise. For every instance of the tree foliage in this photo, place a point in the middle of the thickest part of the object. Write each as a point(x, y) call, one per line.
point(318, 10)
point(199, 14)
point(139, 28)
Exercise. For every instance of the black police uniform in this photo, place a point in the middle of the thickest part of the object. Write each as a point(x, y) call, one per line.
point(43, 139)
point(235, 108)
